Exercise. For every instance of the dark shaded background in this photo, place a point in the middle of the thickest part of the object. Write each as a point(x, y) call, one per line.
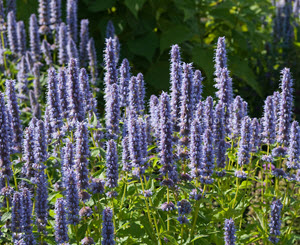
point(147, 29)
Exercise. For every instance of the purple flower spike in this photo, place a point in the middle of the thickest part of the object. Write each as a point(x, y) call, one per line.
point(12, 32)
point(13, 110)
point(26, 217)
point(21, 34)
point(107, 227)
point(285, 107)
point(81, 155)
point(62, 44)
point(62, 91)
point(237, 115)
point(176, 77)
point(72, 19)
point(220, 57)
point(55, 14)
point(5, 164)
point(124, 82)
point(269, 124)
point(197, 87)
point(186, 103)
point(229, 234)
point(112, 174)
point(72, 50)
point(84, 39)
point(166, 138)
point(17, 213)
point(111, 74)
point(92, 60)
point(219, 134)
point(244, 145)
point(207, 157)
point(72, 197)
point(34, 38)
point(294, 147)
point(61, 228)
point(112, 116)
point(53, 101)
point(46, 50)
point(196, 148)
point(75, 97)
point(44, 15)
point(275, 222)
point(134, 96)
point(255, 140)
point(209, 113)
point(142, 92)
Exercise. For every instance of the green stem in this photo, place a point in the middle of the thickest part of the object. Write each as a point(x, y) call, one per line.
point(237, 190)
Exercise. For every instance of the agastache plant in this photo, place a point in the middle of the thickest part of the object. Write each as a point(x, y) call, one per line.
point(176, 79)
point(62, 43)
point(13, 110)
point(244, 144)
point(124, 79)
point(12, 32)
point(92, 60)
point(207, 157)
point(72, 20)
point(269, 123)
point(5, 163)
point(141, 91)
point(294, 146)
point(34, 38)
point(197, 87)
point(55, 14)
point(72, 50)
point(285, 106)
point(229, 234)
point(107, 227)
point(111, 73)
point(275, 220)
point(84, 38)
point(21, 34)
point(26, 217)
point(62, 91)
point(112, 174)
point(44, 15)
point(61, 229)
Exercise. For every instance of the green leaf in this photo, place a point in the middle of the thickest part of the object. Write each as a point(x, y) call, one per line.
point(174, 35)
point(144, 46)
point(6, 216)
point(97, 6)
point(241, 69)
point(158, 75)
point(134, 6)
point(203, 57)
point(95, 152)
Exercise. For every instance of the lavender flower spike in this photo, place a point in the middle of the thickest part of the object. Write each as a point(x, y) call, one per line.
point(229, 234)
point(294, 146)
point(107, 227)
point(112, 116)
point(269, 125)
point(5, 164)
point(34, 38)
point(72, 50)
point(124, 79)
point(186, 103)
point(11, 6)
point(244, 145)
point(26, 217)
point(55, 14)
point(176, 77)
point(141, 86)
point(40, 146)
point(166, 138)
point(275, 222)
point(44, 16)
point(12, 32)
point(207, 157)
point(72, 197)
point(84, 39)
point(134, 96)
point(21, 34)
point(41, 202)
point(221, 56)
point(285, 107)
point(72, 19)
point(92, 60)
point(255, 140)
point(197, 87)
point(46, 50)
point(13, 110)
point(76, 110)
point(112, 174)
point(219, 133)
point(111, 74)
point(236, 116)
point(62, 91)
point(62, 42)
point(196, 148)
point(54, 102)
point(61, 229)
point(81, 155)
point(17, 213)
point(22, 79)
point(209, 113)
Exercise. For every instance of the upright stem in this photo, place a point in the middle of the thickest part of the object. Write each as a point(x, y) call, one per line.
point(168, 216)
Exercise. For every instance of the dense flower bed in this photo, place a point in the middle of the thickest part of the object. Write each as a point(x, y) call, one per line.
point(183, 170)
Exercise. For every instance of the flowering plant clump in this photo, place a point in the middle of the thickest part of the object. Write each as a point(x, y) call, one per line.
point(183, 170)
